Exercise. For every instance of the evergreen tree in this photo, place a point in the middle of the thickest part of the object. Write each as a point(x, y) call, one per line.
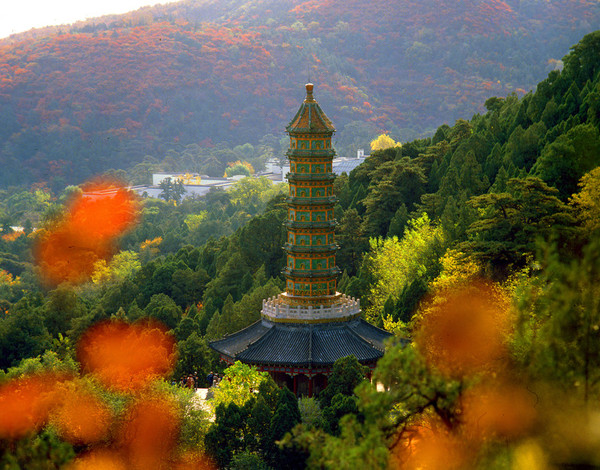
point(163, 309)
point(352, 241)
point(171, 190)
point(194, 357)
point(398, 222)
point(346, 374)
point(286, 416)
point(564, 161)
point(225, 437)
point(341, 405)
point(258, 421)
point(509, 223)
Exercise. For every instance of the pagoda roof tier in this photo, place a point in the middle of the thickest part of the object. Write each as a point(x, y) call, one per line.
point(294, 224)
point(327, 177)
point(310, 118)
point(311, 201)
point(312, 345)
point(291, 248)
point(310, 273)
point(308, 153)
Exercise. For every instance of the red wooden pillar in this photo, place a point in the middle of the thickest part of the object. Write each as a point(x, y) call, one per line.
point(296, 385)
point(310, 386)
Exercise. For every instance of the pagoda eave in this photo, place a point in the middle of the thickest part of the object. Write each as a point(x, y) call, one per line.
point(315, 345)
point(331, 248)
point(296, 177)
point(299, 274)
point(313, 201)
point(304, 153)
point(294, 224)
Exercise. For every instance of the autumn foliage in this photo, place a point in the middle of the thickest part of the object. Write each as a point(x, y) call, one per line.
point(462, 335)
point(498, 409)
point(107, 92)
point(431, 446)
point(25, 404)
point(87, 232)
point(149, 435)
point(126, 357)
point(79, 415)
point(463, 331)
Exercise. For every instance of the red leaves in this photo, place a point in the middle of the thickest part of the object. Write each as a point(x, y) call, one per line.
point(80, 416)
point(87, 233)
point(126, 357)
point(25, 404)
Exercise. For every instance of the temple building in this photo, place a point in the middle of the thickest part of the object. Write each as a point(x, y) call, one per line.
point(305, 329)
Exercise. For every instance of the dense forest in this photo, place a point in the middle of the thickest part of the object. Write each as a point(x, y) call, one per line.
point(116, 91)
point(479, 246)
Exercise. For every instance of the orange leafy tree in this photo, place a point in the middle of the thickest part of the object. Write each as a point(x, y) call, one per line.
point(125, 361)
point(87, 232)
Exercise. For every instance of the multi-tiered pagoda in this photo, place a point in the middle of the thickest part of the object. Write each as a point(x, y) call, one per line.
point(305, 329)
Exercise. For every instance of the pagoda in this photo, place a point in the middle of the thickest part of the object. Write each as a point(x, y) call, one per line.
point(305, 329)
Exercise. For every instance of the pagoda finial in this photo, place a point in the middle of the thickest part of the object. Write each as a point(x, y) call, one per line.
point(309, 92)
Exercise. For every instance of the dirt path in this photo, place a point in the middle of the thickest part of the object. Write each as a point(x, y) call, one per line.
point(200, 401)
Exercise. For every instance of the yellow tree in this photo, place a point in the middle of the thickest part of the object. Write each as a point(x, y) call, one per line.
point(383, 142)
point(239, 168)
point(456, 271)
point(587, 201)
point(123, 265)
point(8, 286)
point(195, 221)
point(239, 383)
point(394, 264)
point(249, 190)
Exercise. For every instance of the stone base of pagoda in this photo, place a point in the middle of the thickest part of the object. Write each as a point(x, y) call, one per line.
point(285, 309)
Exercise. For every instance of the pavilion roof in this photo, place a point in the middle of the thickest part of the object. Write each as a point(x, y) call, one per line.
point(320, 344)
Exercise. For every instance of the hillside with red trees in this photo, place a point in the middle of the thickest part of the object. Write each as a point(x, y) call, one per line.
point(77, 100)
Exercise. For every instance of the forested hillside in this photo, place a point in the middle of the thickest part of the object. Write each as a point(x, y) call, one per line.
point(490, 189)
point(107, 93)
point(479, 245)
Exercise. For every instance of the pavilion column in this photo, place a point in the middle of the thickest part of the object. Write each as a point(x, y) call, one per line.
point(310, 386)
point(296, 385)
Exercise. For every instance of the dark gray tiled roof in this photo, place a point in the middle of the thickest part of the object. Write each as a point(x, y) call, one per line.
point(371, 333)
point(278, 346)
point(233, 344)
point(332, 343)
point(304, 344)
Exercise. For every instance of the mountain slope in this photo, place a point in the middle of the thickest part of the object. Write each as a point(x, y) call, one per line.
point(77, 100)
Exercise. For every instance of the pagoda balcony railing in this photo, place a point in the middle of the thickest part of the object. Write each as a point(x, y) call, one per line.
point(311, 201)
point(310, 153)
point(289, 247)
point(308, 273)
point(292, 177)
point(274, 309)
point(295, 224)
